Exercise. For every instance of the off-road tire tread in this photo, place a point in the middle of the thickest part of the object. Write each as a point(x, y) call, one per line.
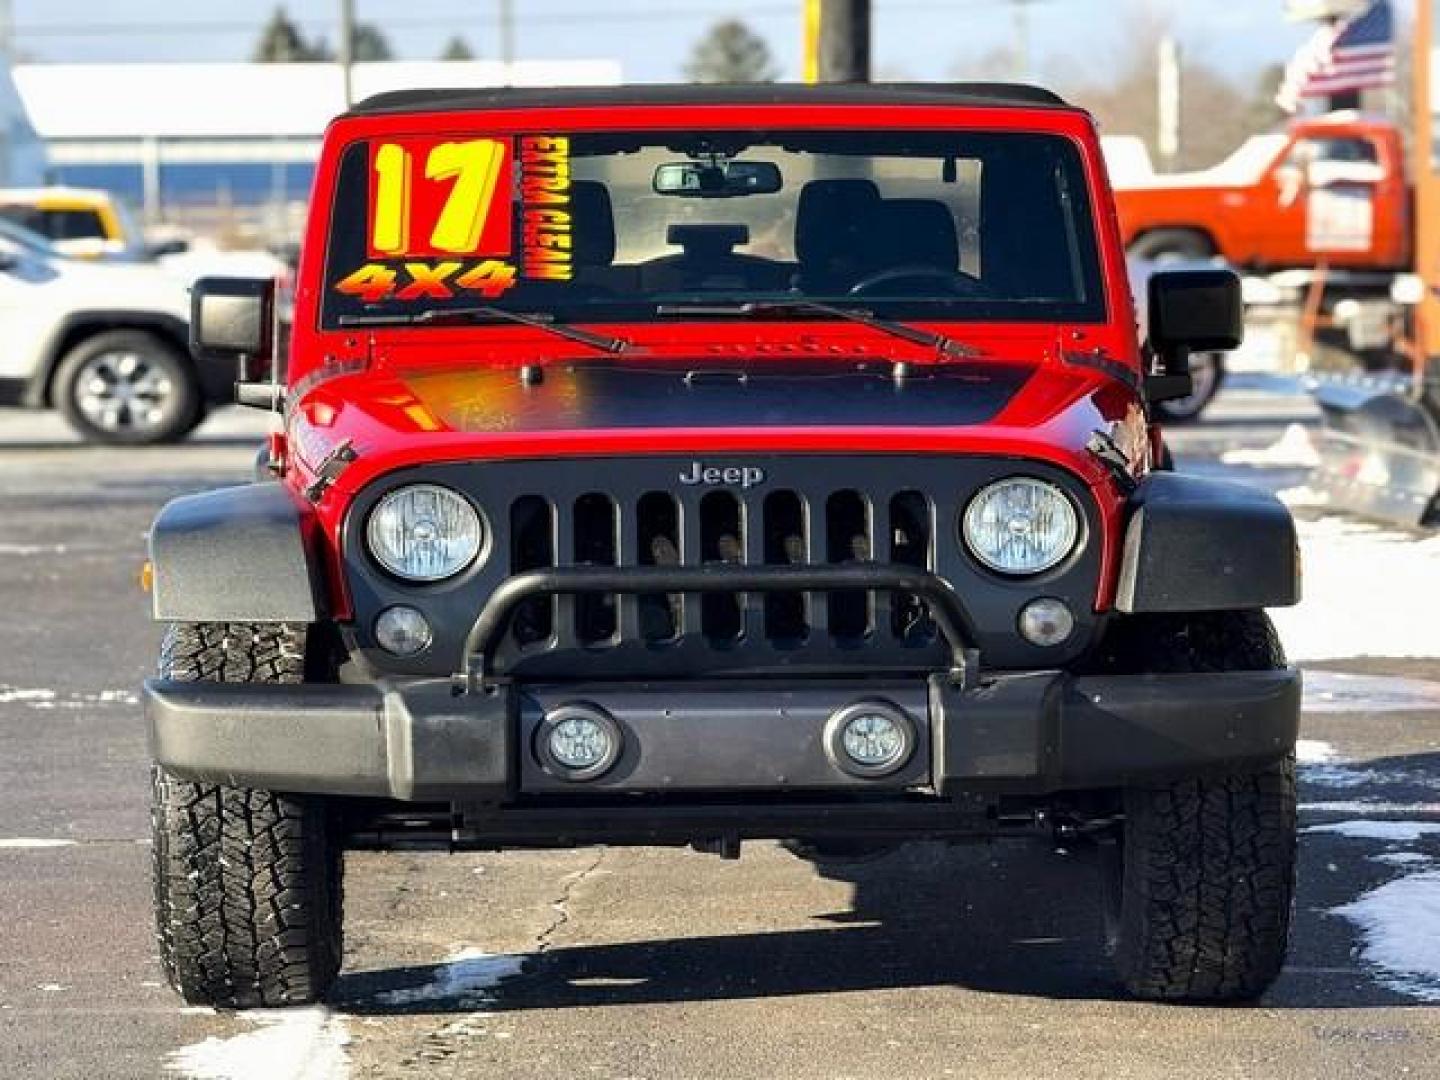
point(1208, 862)
point(247, 882)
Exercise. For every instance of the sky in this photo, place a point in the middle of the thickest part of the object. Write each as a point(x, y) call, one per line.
point(651, 38)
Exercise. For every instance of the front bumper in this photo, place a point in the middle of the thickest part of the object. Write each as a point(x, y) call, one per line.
point(1034, 733)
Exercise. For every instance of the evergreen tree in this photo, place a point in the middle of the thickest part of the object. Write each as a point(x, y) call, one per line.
point(370, 44)
point(457, 49)
point(282, 43)
point(731, 53)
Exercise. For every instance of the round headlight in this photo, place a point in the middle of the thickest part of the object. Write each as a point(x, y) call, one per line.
point(1021, 526)
point(424, 532)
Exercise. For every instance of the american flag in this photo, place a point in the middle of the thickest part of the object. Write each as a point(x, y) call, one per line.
point(1345, 56)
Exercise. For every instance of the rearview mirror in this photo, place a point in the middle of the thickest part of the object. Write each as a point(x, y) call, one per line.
point(233, 320)
point(719, 180)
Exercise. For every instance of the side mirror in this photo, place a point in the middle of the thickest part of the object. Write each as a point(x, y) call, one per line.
point(232, 320)
point(1190, 311)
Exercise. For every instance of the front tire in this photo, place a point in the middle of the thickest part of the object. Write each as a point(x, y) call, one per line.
point(247, 882)
point(1204, 883)
point(128, 388)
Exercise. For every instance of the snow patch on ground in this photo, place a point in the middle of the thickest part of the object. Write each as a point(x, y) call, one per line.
point(33, 549)
point(467, 977)
point(1392, 832)
point(1342, 692)
point(1401, 858)
point(38, 698)
point(1303, 497)
point(1361, 587)
point(15, 842)
point(1364, 807)
point(1400, 929)
point(1321, 766)
point(286, 1044)
point(1294, 449)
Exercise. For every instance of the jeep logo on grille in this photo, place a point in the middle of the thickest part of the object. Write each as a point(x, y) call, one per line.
point(741, 476)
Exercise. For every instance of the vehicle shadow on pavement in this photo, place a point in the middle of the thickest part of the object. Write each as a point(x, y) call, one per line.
point(1005, 919)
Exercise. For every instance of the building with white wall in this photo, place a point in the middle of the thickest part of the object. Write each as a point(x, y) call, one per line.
point(171, 136)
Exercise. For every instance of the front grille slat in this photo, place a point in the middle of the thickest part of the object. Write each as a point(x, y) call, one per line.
point(848, 539)
point(783, 541)
point(657, 532)
point(596, 530)
point(721, 541)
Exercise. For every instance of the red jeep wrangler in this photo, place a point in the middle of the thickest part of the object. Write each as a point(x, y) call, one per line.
point(693, 465)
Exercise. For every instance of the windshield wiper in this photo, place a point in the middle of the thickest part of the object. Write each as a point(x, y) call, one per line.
point(491, 313)
point(946, 346)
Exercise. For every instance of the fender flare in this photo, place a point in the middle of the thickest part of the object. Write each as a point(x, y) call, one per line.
point(1194, 544)
point(237, 554)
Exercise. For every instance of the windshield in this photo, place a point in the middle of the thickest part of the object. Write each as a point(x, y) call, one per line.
point(25, 238)
point(607, 226)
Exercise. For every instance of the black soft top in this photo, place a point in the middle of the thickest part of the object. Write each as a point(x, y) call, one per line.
point(463, 99)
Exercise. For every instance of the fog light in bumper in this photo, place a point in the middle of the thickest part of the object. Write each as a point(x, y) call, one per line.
point(402, 631)
point(578, 742)
point(870, 738)
point(1046, 622)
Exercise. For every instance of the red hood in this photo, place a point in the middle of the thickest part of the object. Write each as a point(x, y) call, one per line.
point(457, 396)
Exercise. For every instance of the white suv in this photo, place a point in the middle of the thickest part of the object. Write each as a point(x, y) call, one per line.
point(105, 343)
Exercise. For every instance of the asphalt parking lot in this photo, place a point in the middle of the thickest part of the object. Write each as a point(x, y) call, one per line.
point(968, 962)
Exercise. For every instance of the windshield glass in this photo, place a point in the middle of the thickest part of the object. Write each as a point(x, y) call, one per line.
point(607, 226)
point(25, 238)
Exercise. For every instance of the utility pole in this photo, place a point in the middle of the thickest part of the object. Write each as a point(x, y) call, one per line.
point(506, 17)
point(1023, 59)
point(346, 54)
point(837, 41)
point(7, 32)
point(1167, 138)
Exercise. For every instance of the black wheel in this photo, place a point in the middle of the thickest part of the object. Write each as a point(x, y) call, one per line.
point(128, 387)
point(247, 882)
point(1207, 372)
point(1173, 245)
point(1203, 878)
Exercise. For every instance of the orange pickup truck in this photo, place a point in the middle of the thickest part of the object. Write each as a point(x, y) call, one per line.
point(1328, 190)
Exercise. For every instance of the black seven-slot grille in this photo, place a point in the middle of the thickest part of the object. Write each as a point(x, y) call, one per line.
point(751, 510)
point(721, 526)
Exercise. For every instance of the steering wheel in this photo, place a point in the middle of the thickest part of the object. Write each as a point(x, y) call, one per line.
point(884, 282)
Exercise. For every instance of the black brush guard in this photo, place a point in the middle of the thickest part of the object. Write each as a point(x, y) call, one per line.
point(938, 595)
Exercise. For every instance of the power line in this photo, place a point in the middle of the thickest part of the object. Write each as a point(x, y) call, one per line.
point(595, 14)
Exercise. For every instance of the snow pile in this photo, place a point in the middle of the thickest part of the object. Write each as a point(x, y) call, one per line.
point(287, 1044)
point(1400, 925)
point(466, 978)
point(1294, 449)
point(1364, 593)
